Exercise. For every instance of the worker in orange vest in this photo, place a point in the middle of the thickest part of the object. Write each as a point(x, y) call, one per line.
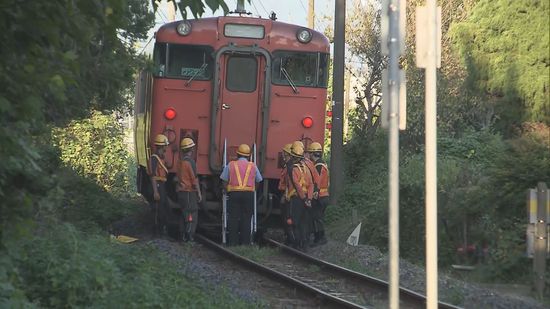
point(158, 172)
point(283, 188)
point(309, 167)
point(239, 180)
point(299, 192)
point(321, 202)
point(188, 190)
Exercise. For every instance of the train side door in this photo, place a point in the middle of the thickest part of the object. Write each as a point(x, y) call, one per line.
point(242, 83)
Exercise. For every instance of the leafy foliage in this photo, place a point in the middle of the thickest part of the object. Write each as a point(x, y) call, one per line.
point(95, 148)
point(55, 68)
point(363, 43)
point(196, 7)
point(67, 268)
point(504, 45)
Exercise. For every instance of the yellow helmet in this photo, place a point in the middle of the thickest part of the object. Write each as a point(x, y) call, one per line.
point(297, 150)
point(244, 150)
point(186, 143)
point(287, 148)
point(315, 147)
point(161, 140)
point(299, 143)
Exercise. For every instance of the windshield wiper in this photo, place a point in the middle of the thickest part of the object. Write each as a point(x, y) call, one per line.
point(290, 82)
point(203, 66)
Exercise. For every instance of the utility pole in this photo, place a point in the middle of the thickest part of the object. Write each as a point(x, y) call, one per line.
point(337, 136)
point(393, 119)
point(171, 10)
point(311, 14)
point(428, 56)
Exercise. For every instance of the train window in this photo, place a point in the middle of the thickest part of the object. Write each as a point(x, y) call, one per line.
point(244, 31)
point(159, 58)
point(184, 61)
point(300, 69)
point(324, 60)
point(241, 74)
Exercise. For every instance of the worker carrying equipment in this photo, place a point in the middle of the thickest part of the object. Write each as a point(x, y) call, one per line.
point(239, 180)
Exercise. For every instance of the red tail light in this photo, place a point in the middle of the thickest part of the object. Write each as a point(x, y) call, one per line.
point(307, 122)
point(170, 113)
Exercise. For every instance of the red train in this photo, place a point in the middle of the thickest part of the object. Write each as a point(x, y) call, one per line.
point(244, 79)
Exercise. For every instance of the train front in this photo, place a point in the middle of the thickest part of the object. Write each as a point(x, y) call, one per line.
point(236, 79)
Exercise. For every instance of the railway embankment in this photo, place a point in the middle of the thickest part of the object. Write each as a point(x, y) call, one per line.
point(209, 269)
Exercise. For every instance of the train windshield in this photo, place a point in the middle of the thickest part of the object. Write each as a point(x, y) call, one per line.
point(183, 61)
point(300, 69)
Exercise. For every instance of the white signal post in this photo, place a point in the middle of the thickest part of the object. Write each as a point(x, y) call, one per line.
point(393, 119)
point(428, 56)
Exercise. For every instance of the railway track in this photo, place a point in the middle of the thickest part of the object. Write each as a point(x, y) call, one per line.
point(330, 285)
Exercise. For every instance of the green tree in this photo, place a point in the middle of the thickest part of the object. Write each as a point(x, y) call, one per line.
point(363, 44)
point(59, 60)
point(196, 7)
point(93, 147)
point(504, 45)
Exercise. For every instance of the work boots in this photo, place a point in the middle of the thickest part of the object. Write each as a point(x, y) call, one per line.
point(320, 238)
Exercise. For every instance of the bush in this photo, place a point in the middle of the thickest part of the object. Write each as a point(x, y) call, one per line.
point(95, 148)
point(85, 204)
point(66, 268)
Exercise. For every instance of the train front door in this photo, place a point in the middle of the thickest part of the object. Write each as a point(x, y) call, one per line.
point(241, 91)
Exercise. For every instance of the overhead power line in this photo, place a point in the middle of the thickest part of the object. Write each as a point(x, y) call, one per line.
point(262, 5)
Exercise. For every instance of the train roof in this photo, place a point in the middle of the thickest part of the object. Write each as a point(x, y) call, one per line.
point(212, 31)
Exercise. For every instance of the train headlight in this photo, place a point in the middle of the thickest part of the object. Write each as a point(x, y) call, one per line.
point(304, 35)
point(307, 122)
point(170, 113)
point(184, 28)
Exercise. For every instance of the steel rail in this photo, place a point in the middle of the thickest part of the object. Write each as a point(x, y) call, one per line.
point(382, 285)
point(327, 298)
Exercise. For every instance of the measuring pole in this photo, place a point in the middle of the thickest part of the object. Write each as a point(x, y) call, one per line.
point(337, 136)
point(255, 219)
point(224, 198)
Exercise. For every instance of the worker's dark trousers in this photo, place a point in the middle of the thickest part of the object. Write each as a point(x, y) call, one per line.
point(285, 207)
point(240, 208)
point(189, 213)
point(160, 209)
point(318, 214)
point(299, 216)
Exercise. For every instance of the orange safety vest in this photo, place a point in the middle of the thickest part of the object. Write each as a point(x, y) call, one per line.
point(302, 183)
point(238, 183)
point(282, 181)
point(311, 168)
point(323, 179)
point(160, 173)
